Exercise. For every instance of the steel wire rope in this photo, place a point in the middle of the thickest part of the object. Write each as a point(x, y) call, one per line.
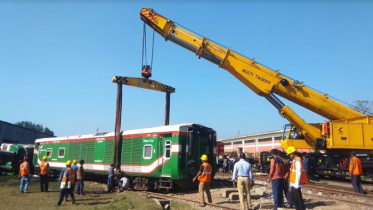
point(144, 47)
point(151, 63)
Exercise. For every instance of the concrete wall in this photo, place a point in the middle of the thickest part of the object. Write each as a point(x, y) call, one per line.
point(10, 133)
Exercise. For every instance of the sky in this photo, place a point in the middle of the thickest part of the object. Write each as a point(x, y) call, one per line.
point(57, 59)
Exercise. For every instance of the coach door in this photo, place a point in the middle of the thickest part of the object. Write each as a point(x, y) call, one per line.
point(166, 144)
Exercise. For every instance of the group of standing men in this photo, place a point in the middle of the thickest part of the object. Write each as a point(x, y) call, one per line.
point(25, 175)
point(69, 176)
point(282, 173)
point(228, 163)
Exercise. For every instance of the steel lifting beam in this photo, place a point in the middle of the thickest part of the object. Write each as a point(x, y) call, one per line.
point(140, 83)
point(143, 83)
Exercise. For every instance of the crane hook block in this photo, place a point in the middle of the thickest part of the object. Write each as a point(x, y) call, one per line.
point(146, 71)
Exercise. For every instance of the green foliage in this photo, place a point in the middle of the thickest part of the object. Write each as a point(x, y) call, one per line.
point(249, 155)
point(233, 154)
point(35, 127)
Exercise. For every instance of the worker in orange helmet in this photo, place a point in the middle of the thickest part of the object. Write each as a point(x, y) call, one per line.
point(44, 171)
point(204, 178)
point(75, 168)
point(298, 177)
point(355, 172)
point(24, 174)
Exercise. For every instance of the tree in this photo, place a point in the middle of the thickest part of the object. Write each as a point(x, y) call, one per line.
point(35, 127)
point(48, 131)
point(364, 107)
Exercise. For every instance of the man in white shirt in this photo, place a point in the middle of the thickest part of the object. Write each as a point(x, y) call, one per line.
point(123, 184)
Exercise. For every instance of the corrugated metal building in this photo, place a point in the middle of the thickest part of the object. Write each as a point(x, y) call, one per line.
point(14, 134)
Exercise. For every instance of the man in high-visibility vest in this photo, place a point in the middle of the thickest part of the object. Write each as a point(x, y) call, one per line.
point(66, 184)
point(204, 178)
point(44, 171)
point(298, 177)
point(75, 168)
point(24, 174)
point(355, 172)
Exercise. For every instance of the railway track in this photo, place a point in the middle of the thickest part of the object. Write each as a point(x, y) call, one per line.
point(169, 197)
point(315, 186)
point(331, 192)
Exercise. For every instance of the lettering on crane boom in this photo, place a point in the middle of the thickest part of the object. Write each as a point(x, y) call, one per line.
point(250, 73)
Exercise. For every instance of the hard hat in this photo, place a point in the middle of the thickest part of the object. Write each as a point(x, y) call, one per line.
point(290, 150)
point(26, 158)
point(204, 157)
point(68, 163)
point(75, 161)
point(45, 157)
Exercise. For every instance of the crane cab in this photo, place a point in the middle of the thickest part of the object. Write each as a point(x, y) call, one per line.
point(292, 137)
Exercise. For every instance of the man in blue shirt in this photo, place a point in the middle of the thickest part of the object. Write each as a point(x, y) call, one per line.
point(243, 174)
point(60, 179)
point(305, 165)
point(110, 179)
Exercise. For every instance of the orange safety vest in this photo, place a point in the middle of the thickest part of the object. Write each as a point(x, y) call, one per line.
point(71, 177)
point(206, 174)
point(44, 168)
point(25, 169)
point(357, 166)
point(303, 175)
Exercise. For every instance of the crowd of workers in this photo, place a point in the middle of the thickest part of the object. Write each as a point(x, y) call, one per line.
point(283, 174)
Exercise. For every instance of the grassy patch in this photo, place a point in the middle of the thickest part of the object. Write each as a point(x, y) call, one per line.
point(176, 205)
point(94, 199)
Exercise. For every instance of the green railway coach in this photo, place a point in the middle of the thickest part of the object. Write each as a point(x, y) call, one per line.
point(12, 155)
point(153, 158)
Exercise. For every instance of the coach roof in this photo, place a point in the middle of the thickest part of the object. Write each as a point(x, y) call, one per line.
point(159, 129)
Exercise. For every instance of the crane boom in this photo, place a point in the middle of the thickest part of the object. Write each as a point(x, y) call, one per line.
point(259, 78)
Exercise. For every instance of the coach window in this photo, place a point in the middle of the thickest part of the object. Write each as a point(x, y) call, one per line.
point(168, 149)
point(49, 153)
point(61, 152)
point(148, 151)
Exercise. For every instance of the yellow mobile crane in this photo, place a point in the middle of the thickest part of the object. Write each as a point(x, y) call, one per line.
point(346, 130)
